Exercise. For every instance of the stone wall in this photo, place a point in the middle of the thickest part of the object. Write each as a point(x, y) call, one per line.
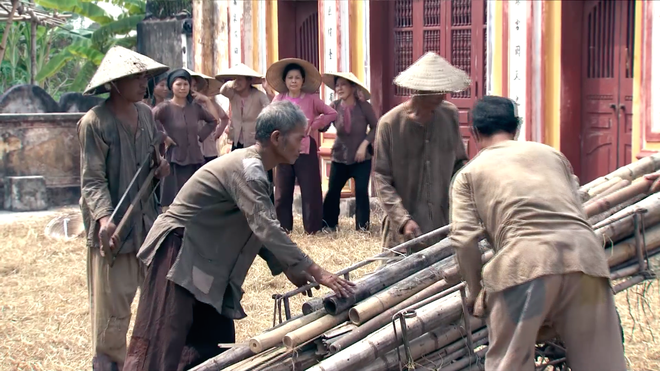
point(43, 145)
point(166, 41)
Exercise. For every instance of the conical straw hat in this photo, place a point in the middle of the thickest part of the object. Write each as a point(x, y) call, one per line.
point(213, 85)
point(275, 80)
point(433, 73)
point(120, 62)
point(329, 81)
point(240, 70)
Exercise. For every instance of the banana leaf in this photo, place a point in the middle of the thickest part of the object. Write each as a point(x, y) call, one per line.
point(85, 9)
point(119, 27)
point(127, 42)
point(83, 77)
point(84, 48)
point(133, 7)
point(54, 65)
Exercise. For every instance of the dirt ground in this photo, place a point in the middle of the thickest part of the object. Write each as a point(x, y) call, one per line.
point(44, 315)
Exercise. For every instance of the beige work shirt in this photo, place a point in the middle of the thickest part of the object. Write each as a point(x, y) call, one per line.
point(244, 112)
point(227, 214)
point(110, 155)
point(523, 198)
point(413, 166)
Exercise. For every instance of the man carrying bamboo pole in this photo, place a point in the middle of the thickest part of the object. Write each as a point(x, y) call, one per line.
point(199, 251)
point(418, 148)
point(549, 268)
point(114, 137)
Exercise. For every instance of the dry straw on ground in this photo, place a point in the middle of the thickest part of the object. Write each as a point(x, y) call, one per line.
point(44, 315)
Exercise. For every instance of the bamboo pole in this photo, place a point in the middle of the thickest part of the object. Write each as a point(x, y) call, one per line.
point(437, 339)
point(617, 186)
point(452, 278)
point(312, 305)
point(300, 361)
point(596, 220)
point(389, 275)
point(313, 329)
point(640, 186)
point(225, 359)
point(626, 250)
point(439, 312)
point(33, 45)
point(399, 291)
point(384, 318)
point(471, 363)
point(256, 360)
point(448, 357)
point(8, 27)
point(269, 339)
point(594, 192)
point(616, 231)
point(631, 171)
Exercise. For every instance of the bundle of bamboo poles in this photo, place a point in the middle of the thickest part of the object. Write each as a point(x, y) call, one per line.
point(412, 312)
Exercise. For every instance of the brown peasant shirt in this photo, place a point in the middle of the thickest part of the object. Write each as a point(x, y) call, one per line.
point(349, 137)
point(181, 124)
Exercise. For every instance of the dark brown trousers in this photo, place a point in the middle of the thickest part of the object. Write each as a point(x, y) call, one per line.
point(173, 330)
point(306, 170)
point(173, 183)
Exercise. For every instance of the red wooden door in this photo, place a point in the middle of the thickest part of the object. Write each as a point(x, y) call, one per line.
point(307, 25)
point(454, 29)
point(607, 74)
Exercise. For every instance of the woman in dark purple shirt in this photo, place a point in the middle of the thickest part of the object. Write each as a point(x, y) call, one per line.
point(352, 149)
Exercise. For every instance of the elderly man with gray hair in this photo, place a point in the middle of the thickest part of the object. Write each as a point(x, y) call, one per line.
point(200, 250)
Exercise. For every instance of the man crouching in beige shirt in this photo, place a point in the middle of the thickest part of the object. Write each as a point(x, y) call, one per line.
point(549, 269)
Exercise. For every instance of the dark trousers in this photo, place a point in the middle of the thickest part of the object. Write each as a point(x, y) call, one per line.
point(209, 159)
point(173, 330)
point(236, 146)
point(339, 175)
point(172, 184)
point(306, 169)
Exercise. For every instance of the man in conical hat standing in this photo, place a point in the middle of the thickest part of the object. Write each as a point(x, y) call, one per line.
point(418, 148)
point(115, 137)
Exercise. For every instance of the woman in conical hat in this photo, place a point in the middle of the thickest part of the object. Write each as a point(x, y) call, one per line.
point(115, 136)
point(297, 81)
point(246, 103)
point(208, 86)
point(352, 149)
point(180, 118)
point(418, 148)
point(204, 84)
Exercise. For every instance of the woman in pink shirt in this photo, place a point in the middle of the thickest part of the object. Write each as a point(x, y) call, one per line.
point(297, 81)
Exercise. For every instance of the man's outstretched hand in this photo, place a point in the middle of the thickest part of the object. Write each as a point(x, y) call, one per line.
point(340, 286)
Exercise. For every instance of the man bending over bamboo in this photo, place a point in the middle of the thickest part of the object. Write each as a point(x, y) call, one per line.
point(199, 251)
point(549, 269)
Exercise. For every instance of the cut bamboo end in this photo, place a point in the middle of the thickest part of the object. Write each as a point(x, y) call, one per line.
point(289, 341)
point(360, 314)
point(354, 316)
point(256, 346)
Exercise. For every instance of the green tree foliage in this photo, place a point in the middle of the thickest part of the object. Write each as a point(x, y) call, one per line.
point(15, 67)
point(89, 47)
